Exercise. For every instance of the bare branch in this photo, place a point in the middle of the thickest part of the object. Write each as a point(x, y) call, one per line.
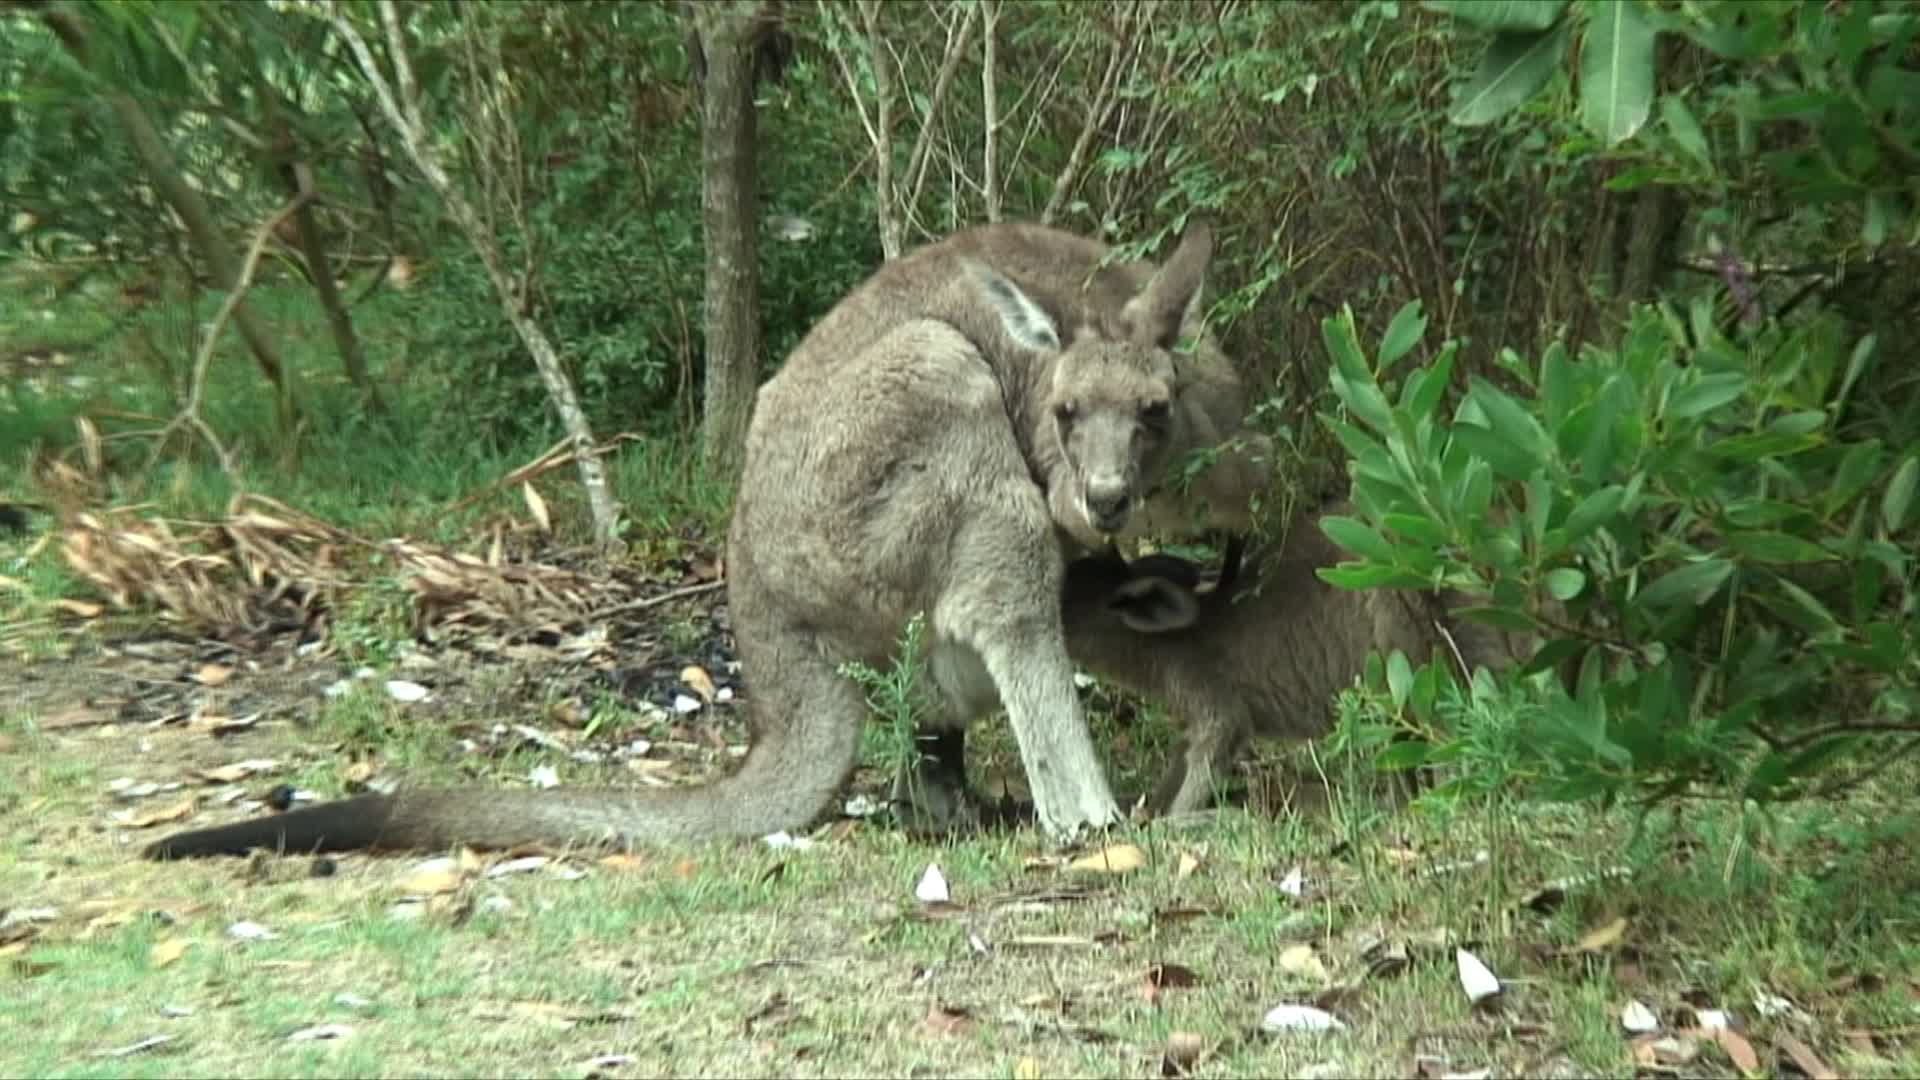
point(949, 64)
point(1064, 183)
point(890, 230)
point(203, 360)
point(990, 107)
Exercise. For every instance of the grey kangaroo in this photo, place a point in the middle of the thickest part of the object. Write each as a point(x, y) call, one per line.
point(938, 443)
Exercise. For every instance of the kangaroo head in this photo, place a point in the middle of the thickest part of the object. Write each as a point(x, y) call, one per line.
point(1110, 419)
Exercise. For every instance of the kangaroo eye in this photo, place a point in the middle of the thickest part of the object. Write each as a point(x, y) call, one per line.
point(1065, 411)
point(1155, 412)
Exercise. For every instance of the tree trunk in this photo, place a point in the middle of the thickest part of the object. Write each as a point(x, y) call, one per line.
point(297, 175)
point(164, 173)
point(730, 213)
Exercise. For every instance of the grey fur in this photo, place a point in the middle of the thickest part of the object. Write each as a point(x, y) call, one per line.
point(1236, 663)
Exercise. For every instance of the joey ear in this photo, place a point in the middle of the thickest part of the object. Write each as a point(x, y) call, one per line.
point(1151, 605)
point(1170, 304)
point(1025, 321)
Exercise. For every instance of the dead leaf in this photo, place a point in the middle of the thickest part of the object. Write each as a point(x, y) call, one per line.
point(171, 812)
point(237, 771)
point(1284, 1018)
point(1049, 941)
point(623, 860)
point(1475, 977)
point(85, 609)
point(1188, 864)
point(357, 774)
point(167, 950)
point(430, 881)
point(1802, 1055)
point(1163, 977)
point(1180, 914)
point(947, 1020)
point(1301, 960)
point(536, 506)
point(1657, 1051)
point(1182, 1054)
point(1118, 859)
point(932, 888)
point(1737, 1048)
point(685, 869)
point(1028, 1069)
point(695, 678)
point(1637, 1019)
point(1602, 937)
point(213, 674)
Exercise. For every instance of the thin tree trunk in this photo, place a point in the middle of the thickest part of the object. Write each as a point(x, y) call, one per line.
point(990, 107)
point(892, 232)
point(297, 175)
point(729, 206)
point(402, 110)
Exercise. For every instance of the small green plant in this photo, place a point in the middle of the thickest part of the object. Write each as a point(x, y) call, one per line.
point(899, 695)
point(374, 623)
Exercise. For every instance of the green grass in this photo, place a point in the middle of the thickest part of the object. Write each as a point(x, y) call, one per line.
point(734, 959)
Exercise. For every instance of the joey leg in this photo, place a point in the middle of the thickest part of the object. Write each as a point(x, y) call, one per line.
point(1205, 755)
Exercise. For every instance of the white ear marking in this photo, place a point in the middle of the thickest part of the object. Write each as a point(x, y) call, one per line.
point(1025, 321)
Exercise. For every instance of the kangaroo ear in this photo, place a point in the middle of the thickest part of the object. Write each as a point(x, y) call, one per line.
point(1170, 305)
point(1151, 605)
point(1026, 322)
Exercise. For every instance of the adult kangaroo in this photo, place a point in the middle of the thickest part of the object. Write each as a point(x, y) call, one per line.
point(932, 445)
point(1235, 662)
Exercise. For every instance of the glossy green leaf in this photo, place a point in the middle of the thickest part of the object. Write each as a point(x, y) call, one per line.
point(1898, 499)
point(1705, 395)
point(1514, 67)
point(1422, 400)
point(1512, 422)
point(1402, 334)
point(1565, 583)
point(1693, 583)
point(1399, 678)
point(1616, 69)
point(1358, 537)
point(1685, 129)
point(1767, 546)
point(1502, 14)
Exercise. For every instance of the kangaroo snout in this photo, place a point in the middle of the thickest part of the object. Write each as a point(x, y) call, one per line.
point(1108, 504)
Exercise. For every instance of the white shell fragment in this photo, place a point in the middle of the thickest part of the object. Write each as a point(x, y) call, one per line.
point(1475, 978)
point(1300, 1018)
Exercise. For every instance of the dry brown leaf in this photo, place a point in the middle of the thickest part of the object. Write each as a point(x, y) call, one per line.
point(358, 773)
point(1301, 960)
point(1804, 1057)
point(161, 815)
point(1737, 1048)
point(213, 674)
point(947, 1020)
point(167, 950)
point(85, 609)
point(1602, 937)
point(1118, 859)
point(1182, 1053)
point(430, 882)
point(1188, 864)
point(1028, 1069)
point(1163, 977)
point(537, 506)
point(685, 869)
point(695, 678)
point(623, 860)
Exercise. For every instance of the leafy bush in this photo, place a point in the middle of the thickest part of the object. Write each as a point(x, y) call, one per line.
point(1725, 571)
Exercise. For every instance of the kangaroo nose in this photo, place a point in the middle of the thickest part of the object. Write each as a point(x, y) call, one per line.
point(1109, 508)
